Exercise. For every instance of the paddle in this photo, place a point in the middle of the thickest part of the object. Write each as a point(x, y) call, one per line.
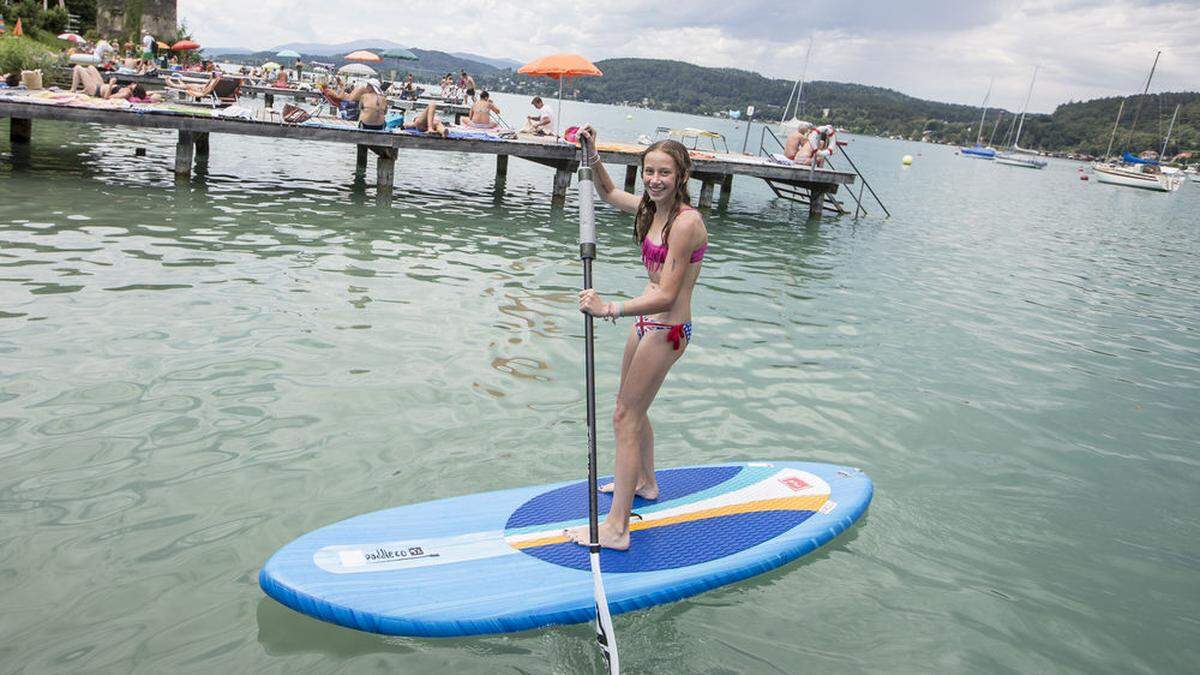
point(605, 637)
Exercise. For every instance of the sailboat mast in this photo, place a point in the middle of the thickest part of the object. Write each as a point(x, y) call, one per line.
point(996, 128)
point(1170, 127)
point(1113, 135)
point(988, 95)
point(799, 86)
point(1028, 95)
point(1138, 111)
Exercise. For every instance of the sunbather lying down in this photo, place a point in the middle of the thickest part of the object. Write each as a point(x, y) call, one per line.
point(427, 121)
point(193, 90)
point(88, 80)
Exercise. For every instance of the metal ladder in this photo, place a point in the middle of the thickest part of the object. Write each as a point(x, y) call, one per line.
point(794, 194)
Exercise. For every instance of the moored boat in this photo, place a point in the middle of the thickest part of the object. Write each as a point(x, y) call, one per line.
point(1024, 161)
point(1141, 175)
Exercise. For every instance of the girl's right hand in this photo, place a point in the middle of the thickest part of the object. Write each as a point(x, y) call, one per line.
point(587, 133)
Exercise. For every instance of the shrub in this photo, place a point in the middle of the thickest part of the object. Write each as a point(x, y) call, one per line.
point(54, 20)
point(19, 53)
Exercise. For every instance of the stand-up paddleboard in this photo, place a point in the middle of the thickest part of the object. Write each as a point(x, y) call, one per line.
point(498, 562)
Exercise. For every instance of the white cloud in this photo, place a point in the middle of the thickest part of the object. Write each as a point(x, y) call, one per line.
point(939, 49)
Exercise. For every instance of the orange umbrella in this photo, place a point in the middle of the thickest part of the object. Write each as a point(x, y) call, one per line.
point(185, 45)
point(363, 56)
point(558, 66)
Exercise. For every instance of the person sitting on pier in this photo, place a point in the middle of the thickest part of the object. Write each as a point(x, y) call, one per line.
point(481, 113)
point(823, 141)
point(541, 122)
point(797, 147)
point(427, 121)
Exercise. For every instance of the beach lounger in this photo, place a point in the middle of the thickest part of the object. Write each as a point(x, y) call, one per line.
point(224, 93)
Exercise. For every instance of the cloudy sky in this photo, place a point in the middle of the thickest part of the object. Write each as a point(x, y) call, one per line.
point(944, 50)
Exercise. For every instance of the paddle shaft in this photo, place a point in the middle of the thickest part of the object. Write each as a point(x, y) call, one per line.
point(587, 253)
point(605, 637)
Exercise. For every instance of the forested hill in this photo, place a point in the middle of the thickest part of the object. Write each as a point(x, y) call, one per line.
point(683, 87)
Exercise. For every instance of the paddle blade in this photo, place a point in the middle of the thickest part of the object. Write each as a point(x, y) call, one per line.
point(606, 638)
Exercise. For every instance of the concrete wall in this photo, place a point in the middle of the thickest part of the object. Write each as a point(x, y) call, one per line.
point(158, 18)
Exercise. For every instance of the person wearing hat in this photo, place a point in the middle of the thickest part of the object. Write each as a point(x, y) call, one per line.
point(372, 105)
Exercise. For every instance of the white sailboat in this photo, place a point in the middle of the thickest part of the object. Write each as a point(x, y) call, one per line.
point(1138, 172)
point(1011, 158)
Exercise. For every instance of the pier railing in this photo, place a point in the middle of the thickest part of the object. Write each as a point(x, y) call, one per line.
point(787, 192)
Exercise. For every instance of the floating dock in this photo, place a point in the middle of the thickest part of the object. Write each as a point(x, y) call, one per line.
point(816, 186)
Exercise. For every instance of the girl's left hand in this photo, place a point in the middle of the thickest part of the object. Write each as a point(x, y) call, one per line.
point(590, 302)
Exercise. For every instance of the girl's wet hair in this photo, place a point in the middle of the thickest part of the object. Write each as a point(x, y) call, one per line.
point(647, 208)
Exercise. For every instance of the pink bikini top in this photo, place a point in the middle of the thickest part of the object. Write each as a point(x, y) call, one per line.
point(654, 255)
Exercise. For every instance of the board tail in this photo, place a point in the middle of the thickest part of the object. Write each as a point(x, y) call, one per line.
point(606, 637)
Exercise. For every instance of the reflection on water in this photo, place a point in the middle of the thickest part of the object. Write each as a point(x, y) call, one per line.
point(194, 372)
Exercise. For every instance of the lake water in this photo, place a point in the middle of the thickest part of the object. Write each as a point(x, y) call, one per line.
point(194, 373)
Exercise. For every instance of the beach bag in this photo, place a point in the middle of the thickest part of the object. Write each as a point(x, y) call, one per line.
point(32, 79)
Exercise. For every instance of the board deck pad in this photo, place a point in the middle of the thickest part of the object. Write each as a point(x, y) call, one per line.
point(498, 562)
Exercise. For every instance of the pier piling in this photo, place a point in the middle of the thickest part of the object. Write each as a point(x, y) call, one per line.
point(201, 139)
point(816, 201)
point(630, 177)
point(501, 168)
point(706, 193)
point(726, 190)
point(360, 162)
point(385, 168)
point(184, 148)
point(20, 130)
point(562, 179)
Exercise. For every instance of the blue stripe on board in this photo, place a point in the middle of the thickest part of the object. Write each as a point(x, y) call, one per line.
point(565, 502)
point(680, 545)
point(577, 514)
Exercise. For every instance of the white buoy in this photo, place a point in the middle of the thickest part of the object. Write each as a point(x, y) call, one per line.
point(628, 116)
point(906, 160)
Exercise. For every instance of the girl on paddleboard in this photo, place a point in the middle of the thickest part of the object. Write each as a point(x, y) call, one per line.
point(673, 240)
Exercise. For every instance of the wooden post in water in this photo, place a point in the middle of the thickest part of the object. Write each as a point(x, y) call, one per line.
point(184, 148)
point(816, 201)
point(385, 169)
point(20, 130)
point(726, 188)
point(562, 180)
point(201, 139)
point(630, 177)
point(360, 162)
point(501, 168)
point(269, 100)
point(706, 193)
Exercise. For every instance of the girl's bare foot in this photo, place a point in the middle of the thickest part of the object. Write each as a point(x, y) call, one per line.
point(649, 492)
point(609, 537)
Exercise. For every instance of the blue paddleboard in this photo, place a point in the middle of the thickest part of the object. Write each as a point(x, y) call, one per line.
point(497, 562)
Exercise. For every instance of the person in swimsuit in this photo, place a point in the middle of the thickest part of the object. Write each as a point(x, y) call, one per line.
point(481, 113)
point(372, 105)
point(427, 121)
point(797, 148)
point(673, 240)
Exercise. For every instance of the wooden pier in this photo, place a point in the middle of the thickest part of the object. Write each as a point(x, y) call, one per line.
point(817, 185)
